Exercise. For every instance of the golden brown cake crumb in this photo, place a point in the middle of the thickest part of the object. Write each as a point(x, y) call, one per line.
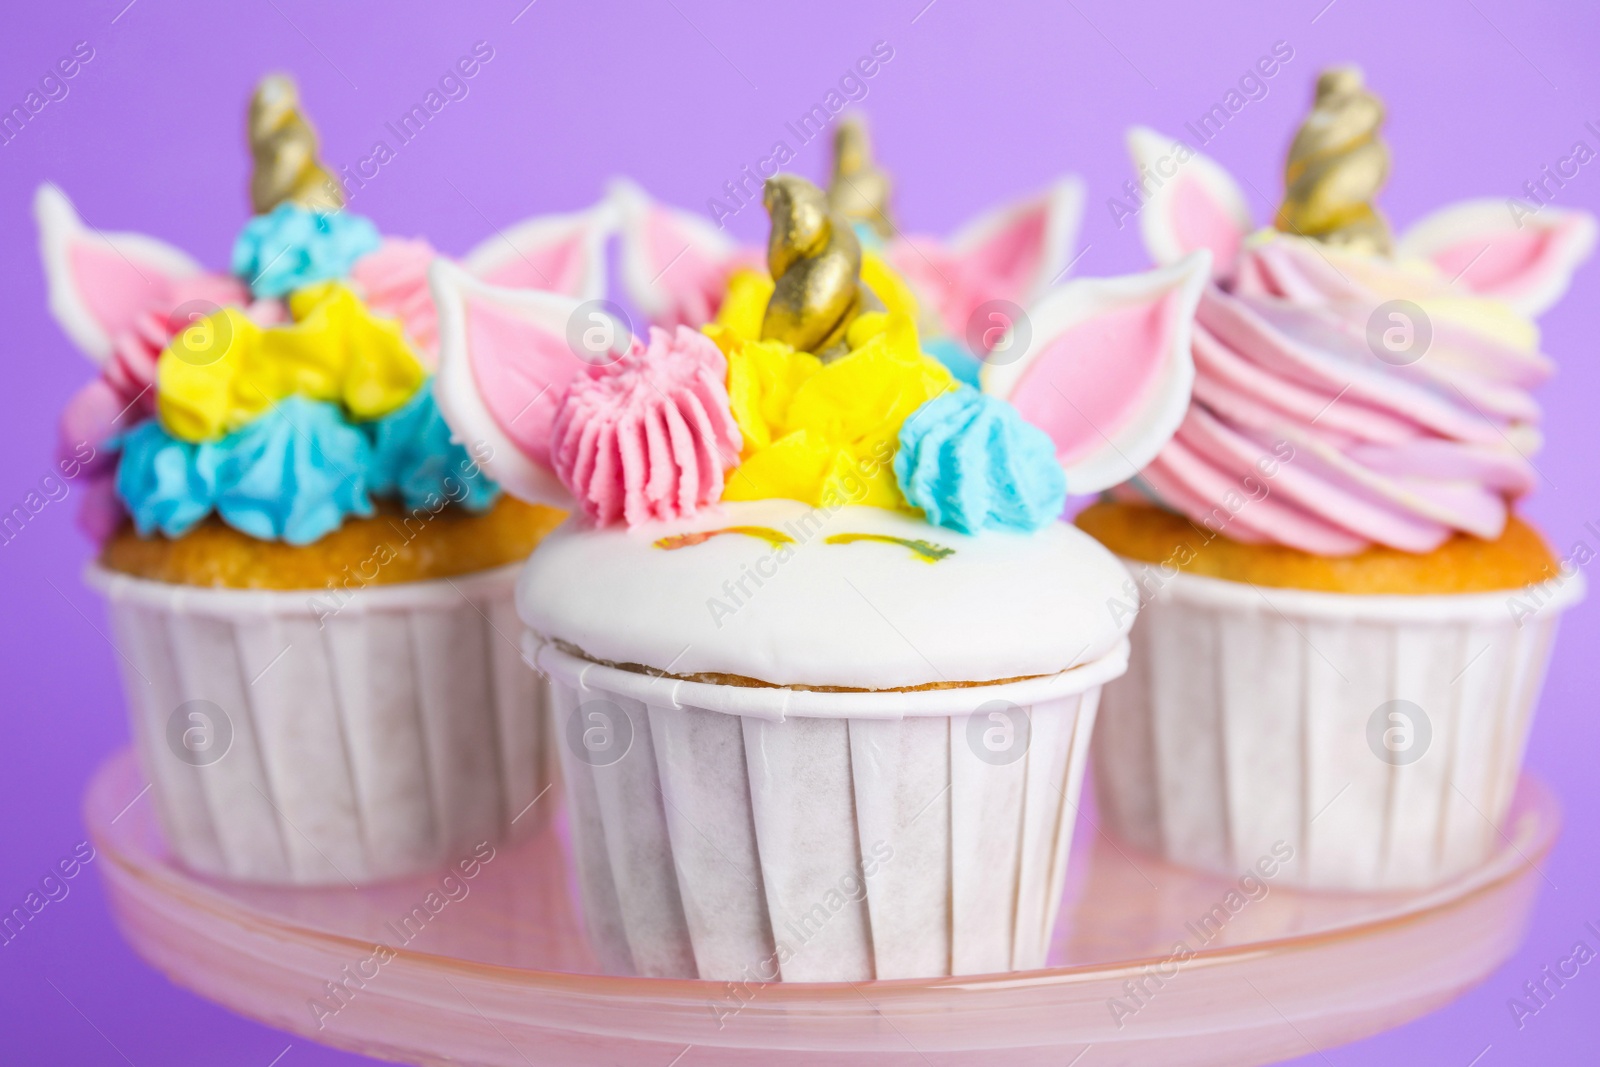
point(1463, 564)
point(746, 682)
point(394, 545)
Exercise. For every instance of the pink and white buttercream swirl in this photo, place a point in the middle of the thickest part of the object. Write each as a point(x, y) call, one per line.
point(1307, 430)
point(649, 436)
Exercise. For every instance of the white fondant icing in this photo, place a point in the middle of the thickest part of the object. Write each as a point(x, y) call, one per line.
point(868, 615)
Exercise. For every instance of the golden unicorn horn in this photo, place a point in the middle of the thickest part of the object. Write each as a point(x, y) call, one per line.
point(815, 262)
point(1336, 166)
point(284, 147)
point(860, 189)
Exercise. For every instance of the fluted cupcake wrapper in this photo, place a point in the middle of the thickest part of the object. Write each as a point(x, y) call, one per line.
point(310, 738)
point(750, 834)
point(1378, 737)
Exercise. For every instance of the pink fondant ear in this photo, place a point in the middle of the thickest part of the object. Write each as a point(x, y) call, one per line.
point(505, 364)
point(1192, 202)
point(1525, 259)
point(555, 253)
point(1107, 371)
point(1024, 246)
point(675, 264)
point(101, 283)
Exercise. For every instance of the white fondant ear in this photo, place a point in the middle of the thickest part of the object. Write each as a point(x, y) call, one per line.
point(1107, 372)
point(504, 367)
point(1193, 202)
point(1025, 245)
point(556, 253)
point(674, 263)
point(1525, 260)
point(101, 282)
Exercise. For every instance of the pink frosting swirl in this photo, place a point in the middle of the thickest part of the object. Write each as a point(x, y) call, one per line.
point(649, 436)
point(1300, 434)
point(394, 283)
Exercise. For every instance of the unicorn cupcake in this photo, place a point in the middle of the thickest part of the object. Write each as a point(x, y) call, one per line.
point(1345, 623)
point(310, 578)
point(824, 662)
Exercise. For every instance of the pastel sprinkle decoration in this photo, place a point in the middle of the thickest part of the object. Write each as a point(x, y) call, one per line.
point(927, 551)
point(772, 537)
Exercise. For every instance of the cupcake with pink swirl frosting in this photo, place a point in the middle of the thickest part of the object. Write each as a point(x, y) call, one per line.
point(1344, 623)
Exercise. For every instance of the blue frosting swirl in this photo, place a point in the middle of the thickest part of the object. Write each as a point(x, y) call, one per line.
point(292, 246)
point(298, 472)
point(166, 484)
point(971, 461)
point(293, 475)
point(415, 459)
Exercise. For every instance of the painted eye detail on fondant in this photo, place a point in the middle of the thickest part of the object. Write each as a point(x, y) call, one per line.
point(700, 537)
point(927, 551)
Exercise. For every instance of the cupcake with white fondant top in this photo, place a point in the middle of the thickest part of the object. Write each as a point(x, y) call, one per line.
point(825, 662)
point(1345, 622)
point(305, 568)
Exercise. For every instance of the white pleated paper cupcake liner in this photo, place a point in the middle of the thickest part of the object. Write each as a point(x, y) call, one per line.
point(1378, 737)
point(288, 745)
point(749, 834)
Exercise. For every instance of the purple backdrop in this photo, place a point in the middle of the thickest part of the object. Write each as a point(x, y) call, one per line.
point(976, 104)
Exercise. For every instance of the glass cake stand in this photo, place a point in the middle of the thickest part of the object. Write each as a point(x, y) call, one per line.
point(495, 970)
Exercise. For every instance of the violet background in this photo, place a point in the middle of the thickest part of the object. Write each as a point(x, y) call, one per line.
point(980, 102)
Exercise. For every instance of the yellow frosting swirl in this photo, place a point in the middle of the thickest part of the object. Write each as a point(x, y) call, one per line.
point(824, 433)
point(224, 371)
